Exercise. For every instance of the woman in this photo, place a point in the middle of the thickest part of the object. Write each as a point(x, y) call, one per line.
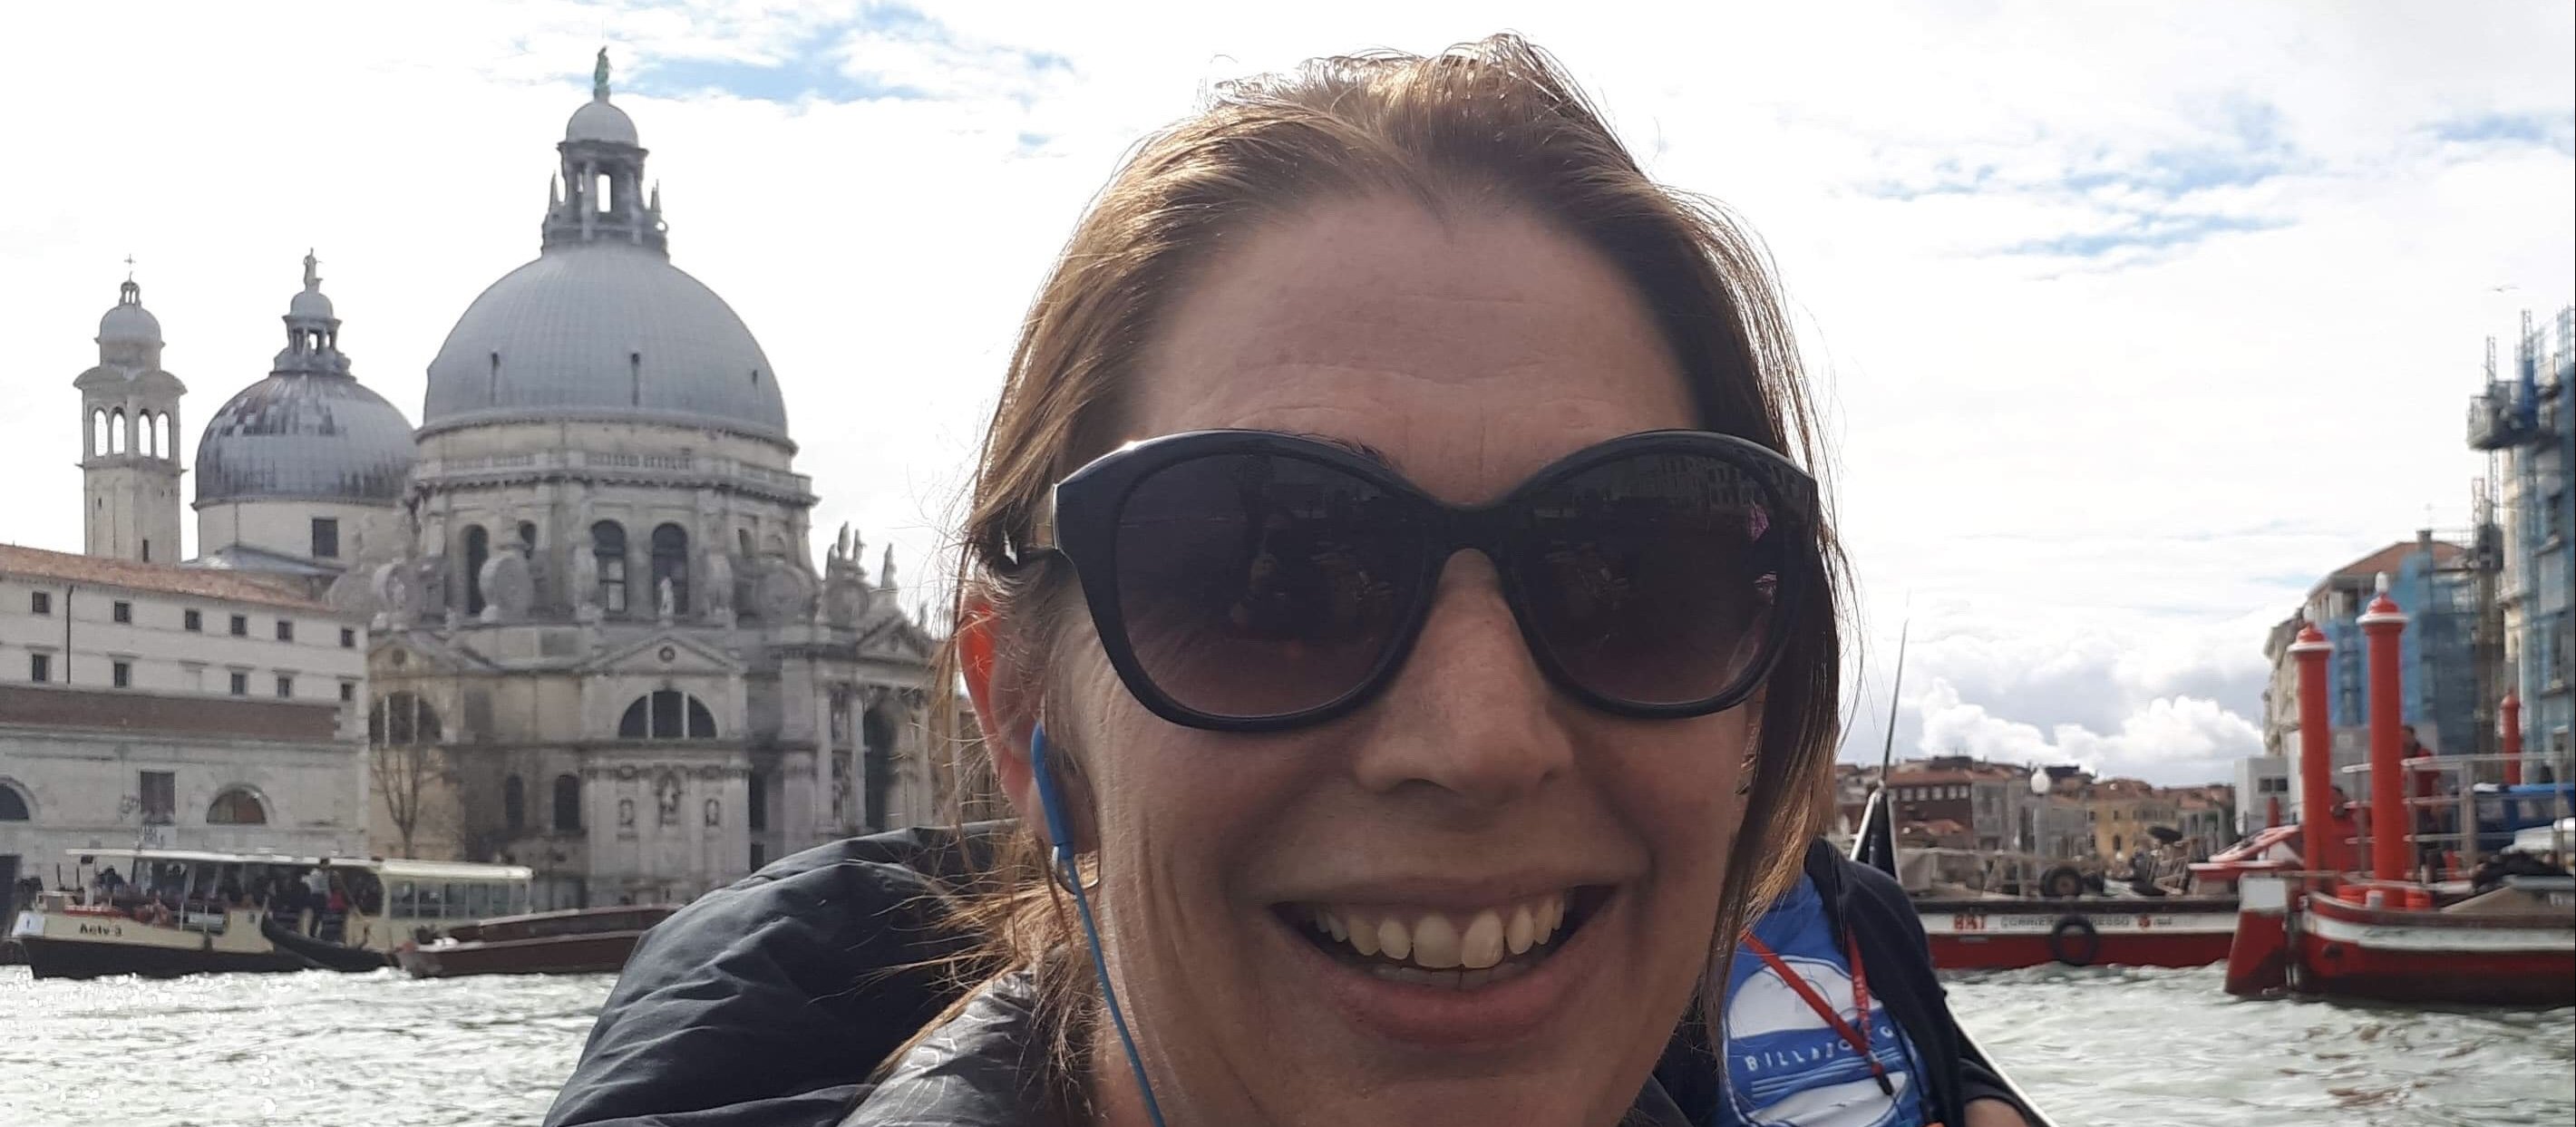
point(1391, 583)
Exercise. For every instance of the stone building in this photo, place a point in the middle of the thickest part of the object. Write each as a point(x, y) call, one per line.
point(176, 707)
point(584, 626)
point(602, 626)
point(129, 439)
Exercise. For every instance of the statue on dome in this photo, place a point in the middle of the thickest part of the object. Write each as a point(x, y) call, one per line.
point(599, 76)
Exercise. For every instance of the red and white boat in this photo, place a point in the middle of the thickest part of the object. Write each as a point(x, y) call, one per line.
point(1998, 934)
point(2386, 935)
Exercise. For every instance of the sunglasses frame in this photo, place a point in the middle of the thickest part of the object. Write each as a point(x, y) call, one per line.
point(1079, 521)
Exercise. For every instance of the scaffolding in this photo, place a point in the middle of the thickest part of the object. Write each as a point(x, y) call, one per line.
point(2524, 543)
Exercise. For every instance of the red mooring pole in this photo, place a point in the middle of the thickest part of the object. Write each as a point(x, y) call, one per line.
point(2382, 624)
point(2272, 812)
point(2318, 838)
point(2512, 739)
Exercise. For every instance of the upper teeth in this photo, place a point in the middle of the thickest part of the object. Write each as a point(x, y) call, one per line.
point(1436, 940)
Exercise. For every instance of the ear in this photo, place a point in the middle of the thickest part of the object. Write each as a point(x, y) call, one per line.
point(1003, 718)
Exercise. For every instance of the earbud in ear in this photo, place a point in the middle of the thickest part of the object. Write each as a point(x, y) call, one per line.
point(1050, 799)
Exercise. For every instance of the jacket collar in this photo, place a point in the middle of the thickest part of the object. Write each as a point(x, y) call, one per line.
point(983, 1067)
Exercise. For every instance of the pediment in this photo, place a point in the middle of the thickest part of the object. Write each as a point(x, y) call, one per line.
point(663, 653)
point(894, 636)
point(405, 654)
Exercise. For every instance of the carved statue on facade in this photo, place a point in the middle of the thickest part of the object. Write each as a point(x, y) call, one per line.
point(786, 593)
point(664, 600)
point(585, 586)
point(396, 596)
point(508, 589)
point(719, 588)
point(666, 794)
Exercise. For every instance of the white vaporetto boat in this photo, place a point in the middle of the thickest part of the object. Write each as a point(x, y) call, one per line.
point(167, 912)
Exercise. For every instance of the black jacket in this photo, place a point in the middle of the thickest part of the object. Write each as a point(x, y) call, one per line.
point(1873, 910)
point(770, 1002)
point(767, 1003)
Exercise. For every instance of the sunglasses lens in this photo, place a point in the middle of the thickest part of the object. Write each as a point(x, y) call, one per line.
point(1654, 580)
point(1256, 585)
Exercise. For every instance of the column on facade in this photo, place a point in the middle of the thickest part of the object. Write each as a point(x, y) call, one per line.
point(820, 804)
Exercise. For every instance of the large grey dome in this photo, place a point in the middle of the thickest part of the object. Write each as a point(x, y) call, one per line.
point(603, 329)
point(305, 437)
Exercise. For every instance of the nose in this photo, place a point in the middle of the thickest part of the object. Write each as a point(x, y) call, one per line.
point(1469, 715)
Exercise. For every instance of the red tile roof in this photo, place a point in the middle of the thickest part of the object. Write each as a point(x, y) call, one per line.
point(24, 562)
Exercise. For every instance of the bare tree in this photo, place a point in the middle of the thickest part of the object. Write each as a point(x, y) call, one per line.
point(403, 760)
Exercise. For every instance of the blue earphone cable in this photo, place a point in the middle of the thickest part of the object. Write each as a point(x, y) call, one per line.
point(1051, 800)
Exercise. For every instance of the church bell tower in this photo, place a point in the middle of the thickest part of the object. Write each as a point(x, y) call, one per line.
point(130, 438)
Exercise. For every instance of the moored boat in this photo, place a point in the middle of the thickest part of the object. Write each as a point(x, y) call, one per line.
point(181, 912)
point(2007, 934)
point(2377, 917)
point(576, 941)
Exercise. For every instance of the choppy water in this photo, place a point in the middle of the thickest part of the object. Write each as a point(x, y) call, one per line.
point(2097, 1047)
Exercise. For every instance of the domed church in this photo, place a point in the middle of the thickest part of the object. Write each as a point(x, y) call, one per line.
point(599, 644)
point(603, 609)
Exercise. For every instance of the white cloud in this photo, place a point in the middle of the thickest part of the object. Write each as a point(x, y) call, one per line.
point(2092, 485)
point(2168, 740)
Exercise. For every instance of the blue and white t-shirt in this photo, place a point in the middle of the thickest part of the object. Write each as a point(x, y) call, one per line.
point(1785, 1065)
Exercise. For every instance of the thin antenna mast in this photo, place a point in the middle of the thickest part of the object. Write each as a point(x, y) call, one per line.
point(1895, 691)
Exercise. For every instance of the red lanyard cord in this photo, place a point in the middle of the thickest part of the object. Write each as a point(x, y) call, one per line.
point(1857, 1038)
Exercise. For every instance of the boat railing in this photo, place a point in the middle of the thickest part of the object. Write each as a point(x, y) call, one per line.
point(2465, 802)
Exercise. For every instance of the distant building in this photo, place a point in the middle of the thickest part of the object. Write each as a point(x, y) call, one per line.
point(2527, 420)
point(2433, 582)
point(2205, 817)
point(145, 703)
point(601, 642)
point(2123, 810)
point(2260, 781)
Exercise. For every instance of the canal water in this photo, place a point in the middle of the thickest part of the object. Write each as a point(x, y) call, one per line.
point(2098, 1047)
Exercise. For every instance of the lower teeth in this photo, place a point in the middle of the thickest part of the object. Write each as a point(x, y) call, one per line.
point(1453, 979)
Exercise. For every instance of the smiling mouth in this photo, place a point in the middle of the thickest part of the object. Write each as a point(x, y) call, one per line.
point(1440, 948)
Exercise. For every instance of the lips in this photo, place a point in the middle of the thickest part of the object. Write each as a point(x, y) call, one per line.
point(1452, 972)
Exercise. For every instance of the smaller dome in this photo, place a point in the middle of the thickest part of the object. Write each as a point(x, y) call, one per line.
point(597, 120)
point(309, 304)
point(127, 320)
point(305, 437)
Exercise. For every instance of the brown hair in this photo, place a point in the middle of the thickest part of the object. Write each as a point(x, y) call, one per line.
point(1495, 122)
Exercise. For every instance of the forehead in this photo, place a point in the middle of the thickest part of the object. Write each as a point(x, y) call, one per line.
point(1470, 348)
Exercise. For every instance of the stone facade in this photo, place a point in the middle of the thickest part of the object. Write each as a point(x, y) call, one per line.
point(177, 707)
point(603, 648)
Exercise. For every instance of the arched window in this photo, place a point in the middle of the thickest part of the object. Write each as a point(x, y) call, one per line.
point(567, 804)
point(402, 719)
point(608, 544)
point(99, 443)
point(514, 804)
point(478, 548)
point(13, 805)
point(671, 561)
point(116, 431)
point(237, 806)
point(667, 714)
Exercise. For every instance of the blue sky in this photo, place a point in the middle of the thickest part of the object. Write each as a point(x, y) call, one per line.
point(2128, 321)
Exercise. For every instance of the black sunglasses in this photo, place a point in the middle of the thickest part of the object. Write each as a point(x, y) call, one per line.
point(1246, 580)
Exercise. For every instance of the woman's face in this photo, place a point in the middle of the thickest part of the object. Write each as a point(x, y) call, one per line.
point(1470, 350)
